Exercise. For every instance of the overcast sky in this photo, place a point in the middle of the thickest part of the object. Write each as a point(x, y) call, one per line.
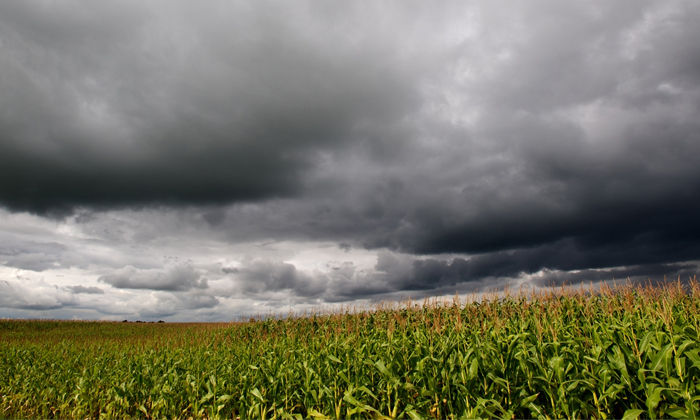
point(180, 161)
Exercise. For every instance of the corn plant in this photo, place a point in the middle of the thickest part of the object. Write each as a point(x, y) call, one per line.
point(626, 352)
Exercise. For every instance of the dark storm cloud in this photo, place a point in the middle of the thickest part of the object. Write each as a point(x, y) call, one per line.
point(544, 267)
point(262, 276)
point(571, 255)
point(587, 137)
point(645, 274)
point(553, 264)
point(587, 143)
point(622, 209)
point(517, 138)
point(119, 105)
point(175, 278)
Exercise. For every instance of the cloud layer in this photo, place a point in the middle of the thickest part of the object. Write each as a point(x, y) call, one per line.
point(176, 278)
point(303, 153)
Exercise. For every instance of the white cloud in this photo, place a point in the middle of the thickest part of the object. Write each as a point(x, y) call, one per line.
point(34, 295)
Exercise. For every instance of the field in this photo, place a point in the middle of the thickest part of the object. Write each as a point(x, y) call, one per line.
point(627, 352)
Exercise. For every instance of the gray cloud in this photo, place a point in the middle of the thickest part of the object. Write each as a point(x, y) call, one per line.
point(178, 109)
point(156, 305)
point(90, 290)
point(34, 295)
point(162, 304)
point(544, 266)
point(31, 255)
point(175, 278)
point(646, 274)
point(264, 276)
point(465, 144)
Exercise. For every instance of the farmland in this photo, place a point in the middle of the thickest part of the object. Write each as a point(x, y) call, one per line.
point(631, 351)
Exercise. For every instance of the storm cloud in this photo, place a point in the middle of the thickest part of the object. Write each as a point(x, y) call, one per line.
point(175, 278)
point(137, 105)
point(270, 276)
point(233, 154)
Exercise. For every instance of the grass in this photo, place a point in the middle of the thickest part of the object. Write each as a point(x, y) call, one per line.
point(625, 352)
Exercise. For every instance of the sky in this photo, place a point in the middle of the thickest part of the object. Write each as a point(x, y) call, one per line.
point(205, 162)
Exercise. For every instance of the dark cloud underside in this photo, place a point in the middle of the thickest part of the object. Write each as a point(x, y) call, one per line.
point(143, 111)
point(176, 278)
point(464, 143)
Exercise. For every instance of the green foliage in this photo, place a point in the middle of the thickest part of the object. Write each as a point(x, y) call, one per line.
point(630, 352)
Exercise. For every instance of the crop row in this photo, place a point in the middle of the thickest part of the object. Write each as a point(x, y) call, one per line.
point(629, 352)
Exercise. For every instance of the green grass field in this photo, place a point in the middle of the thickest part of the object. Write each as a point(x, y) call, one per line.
point(619, 353)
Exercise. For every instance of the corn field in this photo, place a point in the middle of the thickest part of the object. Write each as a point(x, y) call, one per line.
point(626, 352)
